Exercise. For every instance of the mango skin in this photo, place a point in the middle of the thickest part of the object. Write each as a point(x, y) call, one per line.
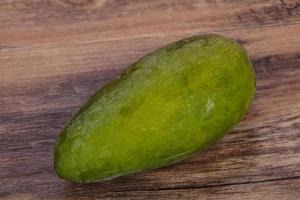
point(166, 107)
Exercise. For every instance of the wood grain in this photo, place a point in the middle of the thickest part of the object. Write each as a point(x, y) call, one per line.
point(54, 54)
point(50, 21)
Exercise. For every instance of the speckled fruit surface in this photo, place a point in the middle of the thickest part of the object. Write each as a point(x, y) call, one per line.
point(167, 106)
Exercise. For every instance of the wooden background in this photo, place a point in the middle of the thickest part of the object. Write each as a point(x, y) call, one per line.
point(54, 54)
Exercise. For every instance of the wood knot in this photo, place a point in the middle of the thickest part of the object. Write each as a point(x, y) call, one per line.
point(84, 3)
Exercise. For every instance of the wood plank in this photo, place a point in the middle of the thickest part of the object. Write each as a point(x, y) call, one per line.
point(276, 189)
point(52, 60)
point(35, 21)
point(52, 86)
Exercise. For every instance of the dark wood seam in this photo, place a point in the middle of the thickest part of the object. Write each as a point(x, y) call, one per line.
point(217, 185)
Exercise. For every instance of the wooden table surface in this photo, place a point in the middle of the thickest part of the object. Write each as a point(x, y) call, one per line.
point(54, 54)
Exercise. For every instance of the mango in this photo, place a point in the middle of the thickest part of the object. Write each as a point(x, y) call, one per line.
point(166, 107)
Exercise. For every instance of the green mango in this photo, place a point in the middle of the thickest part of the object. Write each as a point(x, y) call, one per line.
point(167, 106)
